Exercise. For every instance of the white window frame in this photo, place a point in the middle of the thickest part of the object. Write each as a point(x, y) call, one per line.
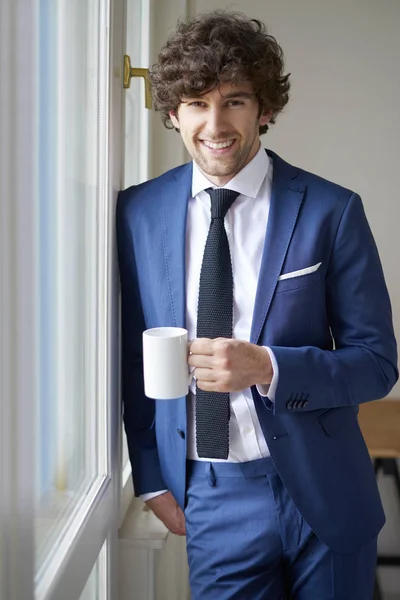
point(18, 298)
point(65, 574)
point(127, 490)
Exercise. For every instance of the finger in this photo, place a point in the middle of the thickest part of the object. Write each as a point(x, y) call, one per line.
point(209, 386)
point(180, 523)
point(176, 528)
point(201, 346)
point(200, 360)
point(204, 375)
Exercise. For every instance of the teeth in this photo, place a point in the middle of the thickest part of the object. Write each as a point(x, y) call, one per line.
point(214, 146)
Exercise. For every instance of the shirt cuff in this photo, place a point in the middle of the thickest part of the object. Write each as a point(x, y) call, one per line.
point(269, 390)
point(150, 495)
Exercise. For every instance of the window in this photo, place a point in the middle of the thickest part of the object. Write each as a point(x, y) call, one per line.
point(71, 439)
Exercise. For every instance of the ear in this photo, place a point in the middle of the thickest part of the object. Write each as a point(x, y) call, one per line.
point(265, 118)
point(172, 116)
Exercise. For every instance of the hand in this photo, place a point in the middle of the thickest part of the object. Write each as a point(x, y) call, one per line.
point(166, 508)
point(226, 365)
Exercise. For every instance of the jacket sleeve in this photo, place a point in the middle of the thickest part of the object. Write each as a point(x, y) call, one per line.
point(363, 364)
point(138, 410)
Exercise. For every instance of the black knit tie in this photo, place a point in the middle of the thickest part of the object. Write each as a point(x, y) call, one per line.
point(214, 319)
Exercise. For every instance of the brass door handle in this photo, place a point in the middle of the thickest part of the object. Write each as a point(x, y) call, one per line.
point(134, 72)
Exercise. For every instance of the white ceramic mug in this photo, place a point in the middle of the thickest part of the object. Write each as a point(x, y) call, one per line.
point(165, 363)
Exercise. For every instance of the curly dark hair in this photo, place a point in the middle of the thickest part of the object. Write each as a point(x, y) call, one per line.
point(214, 48)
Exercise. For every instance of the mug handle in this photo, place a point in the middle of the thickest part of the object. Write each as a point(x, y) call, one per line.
point(190, 376)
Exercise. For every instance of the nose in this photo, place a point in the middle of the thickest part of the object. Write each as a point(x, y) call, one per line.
point(216, 123)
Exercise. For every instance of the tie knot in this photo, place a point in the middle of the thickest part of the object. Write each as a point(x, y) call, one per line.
point(221, 201)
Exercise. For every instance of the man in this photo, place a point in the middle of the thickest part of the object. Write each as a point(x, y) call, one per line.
point(281, 289)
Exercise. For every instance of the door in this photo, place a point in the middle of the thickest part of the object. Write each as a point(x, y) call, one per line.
point(61, 166)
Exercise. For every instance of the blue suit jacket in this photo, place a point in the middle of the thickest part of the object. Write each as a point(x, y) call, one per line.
point(331, 332)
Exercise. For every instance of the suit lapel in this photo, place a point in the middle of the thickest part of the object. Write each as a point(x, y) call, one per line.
point(286, 198)
point(174, 204)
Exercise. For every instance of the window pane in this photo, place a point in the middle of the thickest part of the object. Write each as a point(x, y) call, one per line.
point(72, 169)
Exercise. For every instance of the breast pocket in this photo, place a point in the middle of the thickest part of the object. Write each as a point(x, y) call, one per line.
point(297, 315)
point(298, 280)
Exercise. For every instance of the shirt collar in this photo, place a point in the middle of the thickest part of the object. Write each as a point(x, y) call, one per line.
point(247, 182)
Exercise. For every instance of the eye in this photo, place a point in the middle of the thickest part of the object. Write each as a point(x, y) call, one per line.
point(235, 103)
point(196, 104)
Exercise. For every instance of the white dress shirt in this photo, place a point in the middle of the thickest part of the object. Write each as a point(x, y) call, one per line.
point(245, 224)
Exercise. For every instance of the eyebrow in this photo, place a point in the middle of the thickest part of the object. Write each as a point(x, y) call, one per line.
point(238, 95)
point(230, 96)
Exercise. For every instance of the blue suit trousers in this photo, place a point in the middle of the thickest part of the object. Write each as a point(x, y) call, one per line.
point(246, 540)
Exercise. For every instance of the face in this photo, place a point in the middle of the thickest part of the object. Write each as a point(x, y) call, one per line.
point(220, 129)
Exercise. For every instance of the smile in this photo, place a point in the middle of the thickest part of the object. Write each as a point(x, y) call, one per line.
point(218, 145)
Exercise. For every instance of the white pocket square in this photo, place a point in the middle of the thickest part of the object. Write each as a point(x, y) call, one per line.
point(305, 271)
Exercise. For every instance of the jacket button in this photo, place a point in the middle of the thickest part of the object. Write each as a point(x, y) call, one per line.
point(181, 433)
